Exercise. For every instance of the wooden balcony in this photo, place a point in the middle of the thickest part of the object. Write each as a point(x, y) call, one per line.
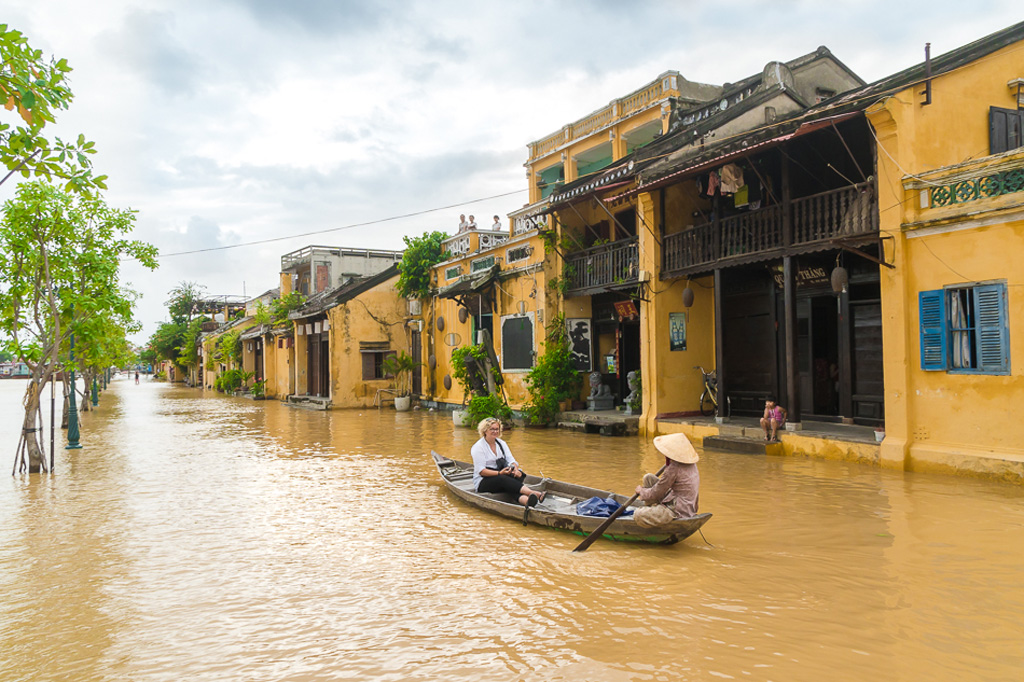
point(759, 235)
point(602, 267)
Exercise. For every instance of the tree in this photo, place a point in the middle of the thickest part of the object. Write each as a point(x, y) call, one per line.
point(421, 254)
point(185, 298)
point(59, 274)
point(33, 88)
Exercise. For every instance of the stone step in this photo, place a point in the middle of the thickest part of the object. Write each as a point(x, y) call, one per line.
point(605, 427)
point(747, 446)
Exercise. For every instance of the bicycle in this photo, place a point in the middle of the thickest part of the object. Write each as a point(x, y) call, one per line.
point(709, 397)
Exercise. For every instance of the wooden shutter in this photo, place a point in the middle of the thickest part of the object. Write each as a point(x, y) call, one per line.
point(1005, 129)
point(368, 372)
point(933, 329)
point(992, 328)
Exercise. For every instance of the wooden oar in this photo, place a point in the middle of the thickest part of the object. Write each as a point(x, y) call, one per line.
point(592, 538)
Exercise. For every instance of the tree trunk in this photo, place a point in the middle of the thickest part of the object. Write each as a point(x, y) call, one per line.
point(67, 402)
point(30, 426)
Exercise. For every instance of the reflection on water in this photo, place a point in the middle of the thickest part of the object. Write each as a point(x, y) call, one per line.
point(213, 538)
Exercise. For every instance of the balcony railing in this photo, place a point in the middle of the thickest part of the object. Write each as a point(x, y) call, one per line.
point(603, 266)
point(473, 241)
point(839, 213)
point(654, 92)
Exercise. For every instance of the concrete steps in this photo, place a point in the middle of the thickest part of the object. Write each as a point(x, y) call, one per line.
point(741, 439)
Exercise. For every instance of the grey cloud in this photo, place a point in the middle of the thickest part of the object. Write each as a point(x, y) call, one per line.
point(324, 17)
point(145, 43)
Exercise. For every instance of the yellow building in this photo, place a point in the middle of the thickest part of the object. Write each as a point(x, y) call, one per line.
point(341, 337)
point(626, 229)
point(951, 183)
point(493, 282)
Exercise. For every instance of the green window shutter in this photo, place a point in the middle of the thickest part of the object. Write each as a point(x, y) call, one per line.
point(992, 328)
point(932, 306)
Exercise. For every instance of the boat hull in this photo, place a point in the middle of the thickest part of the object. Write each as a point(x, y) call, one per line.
point(558, 510)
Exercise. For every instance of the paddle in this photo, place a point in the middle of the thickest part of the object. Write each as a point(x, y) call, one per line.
point(592, 538)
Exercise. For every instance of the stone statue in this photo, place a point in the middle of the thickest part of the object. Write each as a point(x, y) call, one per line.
point(633, 382)
point(634, 392)
point(597, 389)
point(600, 397)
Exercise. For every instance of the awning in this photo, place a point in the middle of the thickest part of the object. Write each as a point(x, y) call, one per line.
point(700, 167)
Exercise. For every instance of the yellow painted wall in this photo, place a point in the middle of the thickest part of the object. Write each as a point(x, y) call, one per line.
point(671, 385)
point(379, 315)
point(523, 281)
point(937, 420)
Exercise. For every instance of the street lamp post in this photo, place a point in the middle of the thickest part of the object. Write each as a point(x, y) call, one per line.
point(73, 443)
point(95, 391)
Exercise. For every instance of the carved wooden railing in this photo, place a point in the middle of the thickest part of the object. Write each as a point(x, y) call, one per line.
point(602, 266)
point(664, 87)
point(838, 213)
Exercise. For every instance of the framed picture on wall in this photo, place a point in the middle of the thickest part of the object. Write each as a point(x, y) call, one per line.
point(580, 343)
point(677, 331)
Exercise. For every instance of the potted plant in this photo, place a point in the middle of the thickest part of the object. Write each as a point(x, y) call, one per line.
point(401, 366)
point(880, 434)
point(462, 416)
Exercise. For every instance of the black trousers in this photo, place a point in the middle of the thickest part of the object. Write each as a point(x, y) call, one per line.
point(502, 483)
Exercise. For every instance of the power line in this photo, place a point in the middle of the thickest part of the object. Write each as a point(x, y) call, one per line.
point(335, 229)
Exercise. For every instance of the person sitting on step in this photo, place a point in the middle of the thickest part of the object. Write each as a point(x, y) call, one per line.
point(774, 418)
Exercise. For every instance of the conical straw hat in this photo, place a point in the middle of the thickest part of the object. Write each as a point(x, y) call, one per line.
point(678, 447)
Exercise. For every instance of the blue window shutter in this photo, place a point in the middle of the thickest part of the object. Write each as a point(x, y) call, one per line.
point(933, 329)
point(992, 328)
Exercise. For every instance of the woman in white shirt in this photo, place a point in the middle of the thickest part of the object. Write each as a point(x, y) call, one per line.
point(495, 470)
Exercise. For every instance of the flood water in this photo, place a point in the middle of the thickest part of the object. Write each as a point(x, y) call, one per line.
point(211, 538)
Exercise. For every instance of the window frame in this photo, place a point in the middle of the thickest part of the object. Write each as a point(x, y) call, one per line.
point(533, 342)
point(986, 327)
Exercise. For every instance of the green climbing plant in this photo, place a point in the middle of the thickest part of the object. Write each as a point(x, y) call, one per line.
point(554, 377)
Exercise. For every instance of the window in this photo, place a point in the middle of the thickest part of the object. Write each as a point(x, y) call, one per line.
point(1005, 129)
point(517, 342)
point(373, 353)
point(481, 264)
point(517, 254)
point(965, 329)
point(453, 272)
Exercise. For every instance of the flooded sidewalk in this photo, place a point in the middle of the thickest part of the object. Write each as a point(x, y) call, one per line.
point(201, 537)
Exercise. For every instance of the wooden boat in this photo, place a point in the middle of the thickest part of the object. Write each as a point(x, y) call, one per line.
point(558, 510)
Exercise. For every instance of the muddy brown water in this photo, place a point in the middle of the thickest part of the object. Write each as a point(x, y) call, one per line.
point(200, 537)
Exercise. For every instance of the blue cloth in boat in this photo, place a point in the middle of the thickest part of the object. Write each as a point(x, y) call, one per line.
point(595, 506)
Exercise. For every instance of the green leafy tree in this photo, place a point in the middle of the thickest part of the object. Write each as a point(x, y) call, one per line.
point(167, 340)
point(554, 377)
point(279, 308)
point(33, 88)
point(184, 301)
point(421, 254)
point(60, 256)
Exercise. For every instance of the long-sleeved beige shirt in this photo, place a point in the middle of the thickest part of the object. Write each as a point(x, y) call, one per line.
point(678, 487)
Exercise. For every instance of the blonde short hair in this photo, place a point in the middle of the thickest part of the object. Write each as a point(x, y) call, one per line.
point(485, 424)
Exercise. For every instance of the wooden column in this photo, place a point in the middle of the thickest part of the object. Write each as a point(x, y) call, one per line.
point(789, 299)
point(845, 358)
point(720, 345)
point(792, 366)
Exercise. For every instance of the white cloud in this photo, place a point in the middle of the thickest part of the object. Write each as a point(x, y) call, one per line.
point(244, 120)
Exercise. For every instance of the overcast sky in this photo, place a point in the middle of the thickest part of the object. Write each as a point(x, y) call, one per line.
point(230, 121)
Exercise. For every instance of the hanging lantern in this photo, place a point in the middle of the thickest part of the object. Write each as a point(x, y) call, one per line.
point(447, 382)
point(687, 296)
point(463, 315)
point(840, 279)
point(432, 361)
point(440, 323)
